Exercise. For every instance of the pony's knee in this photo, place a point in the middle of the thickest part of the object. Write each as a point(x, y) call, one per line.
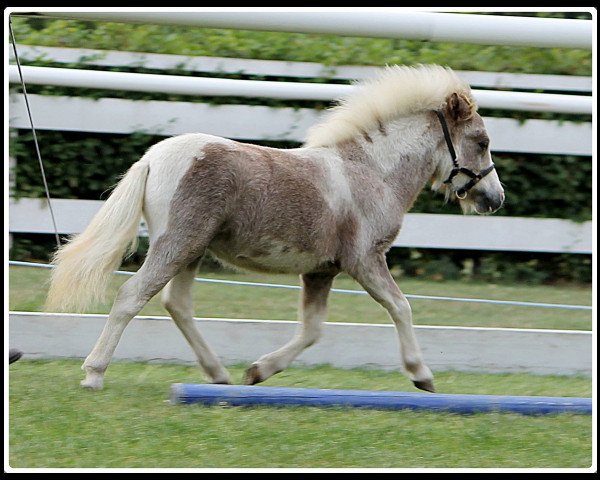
point(401, 310)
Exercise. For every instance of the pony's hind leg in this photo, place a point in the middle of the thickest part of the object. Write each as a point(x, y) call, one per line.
point(177, 299)
point(313, 311)
point(163, 262)
point(131, 298)
point(373, 274)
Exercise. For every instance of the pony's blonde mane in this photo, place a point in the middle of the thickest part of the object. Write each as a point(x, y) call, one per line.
point(397, 91)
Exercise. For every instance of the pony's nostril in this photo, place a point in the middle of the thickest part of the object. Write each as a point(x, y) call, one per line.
point(488, 203)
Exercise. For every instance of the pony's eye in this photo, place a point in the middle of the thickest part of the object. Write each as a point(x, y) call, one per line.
point(484, 144)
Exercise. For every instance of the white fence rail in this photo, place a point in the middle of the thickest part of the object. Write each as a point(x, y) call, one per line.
point(419, 230)
point(375, 22)
point(256, 122)
point(225, 87)
point(277, 68)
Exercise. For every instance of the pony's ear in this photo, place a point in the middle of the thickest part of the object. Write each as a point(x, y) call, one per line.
point(459, 107)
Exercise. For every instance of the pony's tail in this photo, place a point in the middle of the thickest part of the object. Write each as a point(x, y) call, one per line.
point(84, 265)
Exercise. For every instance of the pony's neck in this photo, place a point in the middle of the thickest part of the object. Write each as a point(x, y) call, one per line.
point(401, 152)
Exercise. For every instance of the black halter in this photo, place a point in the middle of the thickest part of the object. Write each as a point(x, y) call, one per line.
point(475, 177)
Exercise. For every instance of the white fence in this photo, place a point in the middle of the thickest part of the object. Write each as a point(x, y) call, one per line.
point(31, 215)
point(112, 115)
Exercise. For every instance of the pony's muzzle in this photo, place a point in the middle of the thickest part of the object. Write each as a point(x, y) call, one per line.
point(488, 202)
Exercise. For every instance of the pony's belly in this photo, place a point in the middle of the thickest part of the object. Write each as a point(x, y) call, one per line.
point(283, 260)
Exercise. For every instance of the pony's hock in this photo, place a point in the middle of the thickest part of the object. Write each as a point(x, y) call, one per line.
point(334, 205)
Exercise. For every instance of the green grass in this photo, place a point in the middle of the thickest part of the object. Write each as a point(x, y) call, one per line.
point(28, 287)
point(54, 423)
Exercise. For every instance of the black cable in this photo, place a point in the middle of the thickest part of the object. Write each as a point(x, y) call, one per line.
point(35, 140)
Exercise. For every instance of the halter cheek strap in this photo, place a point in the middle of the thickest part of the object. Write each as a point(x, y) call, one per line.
point(461, 193)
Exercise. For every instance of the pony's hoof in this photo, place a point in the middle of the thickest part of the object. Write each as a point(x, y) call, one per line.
point(252, 375)
point(221, 377)
point(221, 382)
point(93, 382)
point(91, 385)
point(426, 385)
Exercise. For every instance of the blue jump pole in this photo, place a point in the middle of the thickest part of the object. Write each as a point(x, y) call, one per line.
point(245, 395)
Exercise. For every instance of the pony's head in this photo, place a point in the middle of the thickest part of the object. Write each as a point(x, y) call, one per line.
point(425, 90)
point(465, 171)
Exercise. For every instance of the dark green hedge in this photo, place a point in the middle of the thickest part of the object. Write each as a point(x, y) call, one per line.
point(86, 166)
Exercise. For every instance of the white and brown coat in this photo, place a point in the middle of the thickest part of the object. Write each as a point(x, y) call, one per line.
point(336, 204)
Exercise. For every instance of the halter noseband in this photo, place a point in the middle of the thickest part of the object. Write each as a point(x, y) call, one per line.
point(461, 193)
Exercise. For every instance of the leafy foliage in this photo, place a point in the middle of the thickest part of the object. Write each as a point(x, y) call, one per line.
point(77, 165)
point(83, 165)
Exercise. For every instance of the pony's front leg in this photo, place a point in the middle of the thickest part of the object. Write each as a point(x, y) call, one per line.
point(375, 278)
point(312, 314)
